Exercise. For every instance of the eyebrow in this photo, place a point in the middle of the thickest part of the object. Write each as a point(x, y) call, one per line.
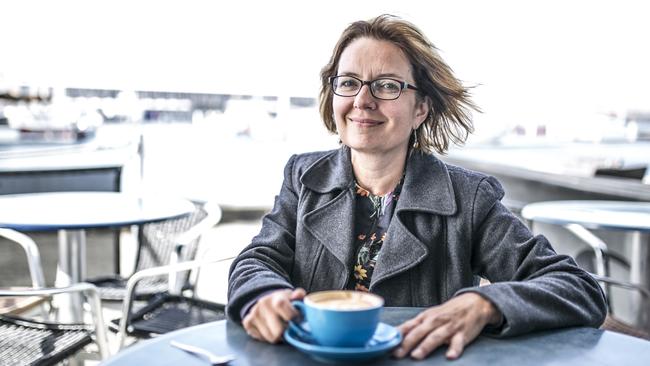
point(380, 76)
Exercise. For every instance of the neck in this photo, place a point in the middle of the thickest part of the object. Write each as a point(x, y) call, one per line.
point(379, 174)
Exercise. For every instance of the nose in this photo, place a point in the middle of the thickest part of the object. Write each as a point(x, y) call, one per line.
point(364, 99)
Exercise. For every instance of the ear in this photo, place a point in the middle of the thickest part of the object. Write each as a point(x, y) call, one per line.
point(422, 108)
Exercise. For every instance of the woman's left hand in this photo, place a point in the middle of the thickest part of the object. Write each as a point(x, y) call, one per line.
point(456, 323)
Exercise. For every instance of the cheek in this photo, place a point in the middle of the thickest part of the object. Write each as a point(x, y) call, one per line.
point(341, 106)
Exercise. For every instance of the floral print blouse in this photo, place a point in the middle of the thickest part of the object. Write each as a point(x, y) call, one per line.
point(372, 217)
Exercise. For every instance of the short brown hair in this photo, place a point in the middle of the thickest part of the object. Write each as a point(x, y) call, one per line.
point(449, 101)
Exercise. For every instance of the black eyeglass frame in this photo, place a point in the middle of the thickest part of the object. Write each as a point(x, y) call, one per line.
point(403, 85)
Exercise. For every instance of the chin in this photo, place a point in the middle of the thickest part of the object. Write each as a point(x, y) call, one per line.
point(357, 144)
point(366, 149)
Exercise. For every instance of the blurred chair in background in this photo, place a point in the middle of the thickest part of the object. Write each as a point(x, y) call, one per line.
point(165, 278)
point(598, 259)
point(166, 311)
point(616, 325)
point(158, 245)
point(618, 262)
point(27, 341)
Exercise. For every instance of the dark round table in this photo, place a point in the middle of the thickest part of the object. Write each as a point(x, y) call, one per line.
point(571, 346)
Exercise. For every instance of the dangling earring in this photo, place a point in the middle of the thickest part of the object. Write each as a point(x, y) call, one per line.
point(416, 143)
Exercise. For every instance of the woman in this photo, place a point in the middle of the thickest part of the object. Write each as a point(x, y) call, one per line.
point(383, 214)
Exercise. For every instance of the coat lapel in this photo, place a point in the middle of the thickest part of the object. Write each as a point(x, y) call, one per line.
point(333, 225)
point(332, 221)
point(427, 190)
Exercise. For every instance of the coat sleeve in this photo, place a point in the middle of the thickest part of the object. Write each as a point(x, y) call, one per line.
point(534, 287)
point(266, 263)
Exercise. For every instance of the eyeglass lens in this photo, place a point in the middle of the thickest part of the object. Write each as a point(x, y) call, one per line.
point(348, 86)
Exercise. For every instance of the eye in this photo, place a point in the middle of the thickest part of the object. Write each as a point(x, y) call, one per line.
point(347, 83)
point(388, 85)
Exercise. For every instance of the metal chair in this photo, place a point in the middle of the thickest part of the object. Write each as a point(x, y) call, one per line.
point(29, 342)
point(26, 341)
point(597, 259)
point(31, 252)
point(10, 305)
point(167, 311)
point(158, 243)
point(617, 325)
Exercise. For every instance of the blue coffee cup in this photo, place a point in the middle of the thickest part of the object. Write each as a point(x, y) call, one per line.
point(338, 318)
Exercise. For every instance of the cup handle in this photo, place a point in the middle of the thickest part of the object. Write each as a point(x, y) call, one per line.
point(297, 327)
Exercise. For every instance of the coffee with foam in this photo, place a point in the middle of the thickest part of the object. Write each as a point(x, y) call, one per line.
point(344, 300)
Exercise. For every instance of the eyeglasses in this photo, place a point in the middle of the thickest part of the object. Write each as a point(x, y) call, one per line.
point(384, 88)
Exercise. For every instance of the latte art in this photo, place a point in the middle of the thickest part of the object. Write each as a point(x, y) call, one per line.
point(345, 304)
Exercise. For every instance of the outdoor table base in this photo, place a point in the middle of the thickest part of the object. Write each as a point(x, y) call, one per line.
point(70, 269)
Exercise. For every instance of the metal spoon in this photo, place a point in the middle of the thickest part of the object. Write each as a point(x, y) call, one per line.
point(197, 351)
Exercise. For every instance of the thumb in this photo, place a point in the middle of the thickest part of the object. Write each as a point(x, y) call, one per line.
point(298, 294)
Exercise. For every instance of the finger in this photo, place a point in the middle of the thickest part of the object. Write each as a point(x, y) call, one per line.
point(276, 327)
point(431, 342)
point(255, 334)
point(298, 294)
point(284, 309)
point(247, 323)
point(264, 330)
point(276, 323)
point(413, 337)
point(257, 318)
point(250, 328)
point(408, 325)
point(456, 346)
point(405, 328)
point(286, 312)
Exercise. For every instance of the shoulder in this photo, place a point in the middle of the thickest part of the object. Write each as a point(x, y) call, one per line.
point(473, 183)
point(302, 162)
point(298, 164)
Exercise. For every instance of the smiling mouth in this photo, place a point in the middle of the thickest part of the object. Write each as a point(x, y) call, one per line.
point(364, 122)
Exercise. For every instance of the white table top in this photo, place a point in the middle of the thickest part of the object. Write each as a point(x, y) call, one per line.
point(610, 215)
point(86, 210)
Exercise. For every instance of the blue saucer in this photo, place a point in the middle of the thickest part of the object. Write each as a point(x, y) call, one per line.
point(386, 338)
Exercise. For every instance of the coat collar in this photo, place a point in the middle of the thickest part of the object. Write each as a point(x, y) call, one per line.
point(427, 189)
point(427, 186)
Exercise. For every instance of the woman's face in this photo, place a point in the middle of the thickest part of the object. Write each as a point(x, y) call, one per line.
point(367, 124)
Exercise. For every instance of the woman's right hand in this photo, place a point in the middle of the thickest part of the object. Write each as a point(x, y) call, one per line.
point(267, 319)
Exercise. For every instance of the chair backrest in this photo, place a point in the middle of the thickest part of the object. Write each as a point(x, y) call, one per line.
point(158, 241)
point(18, 305)
point(638, 327)
point(31, 252)
point(45, 342)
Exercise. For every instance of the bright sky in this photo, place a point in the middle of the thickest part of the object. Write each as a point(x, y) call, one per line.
point(549, 57)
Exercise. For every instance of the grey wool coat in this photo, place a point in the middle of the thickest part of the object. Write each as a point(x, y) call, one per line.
point(448, 229)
